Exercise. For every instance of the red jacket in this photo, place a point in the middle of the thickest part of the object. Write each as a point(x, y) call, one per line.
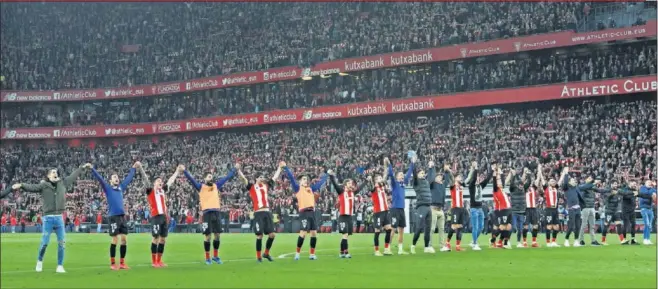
point(99, 219)
point(12, 221)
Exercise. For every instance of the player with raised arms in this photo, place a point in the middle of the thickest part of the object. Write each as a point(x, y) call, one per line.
point(263, 219)
point(118, 226)
point(306, 195)
point(209, 205)
point(156, 195)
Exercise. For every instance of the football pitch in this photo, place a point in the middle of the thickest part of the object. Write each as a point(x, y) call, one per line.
point(87, 265)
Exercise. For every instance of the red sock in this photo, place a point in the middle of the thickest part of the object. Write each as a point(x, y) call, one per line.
point(312, 251)
point(215, 253)
point(524, 239)
point(376, 248)
point(553, 240)
point(621, 237)
point(159, 258)
point(121, 261)
point(458, 242)
point(154, 258)
point(386, 245)
point(534, 239)
point(258, 254)
point(207, 255)
point(603, 239)
point(299, 249)
point(267, 251)
point(112, 260)
point(548, 240)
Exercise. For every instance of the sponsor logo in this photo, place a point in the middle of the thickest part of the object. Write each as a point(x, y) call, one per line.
point(367, 110)
point(412, 59)
point(12, 134)
point(209, 124)
point(74, 95)
point(468, 52)
point(74, 132)
point(306, 72)
point(364, 64)
point(123, 131)
point(16, 97)
point(167, 127)
point(412, 106)
point(239, 121)
point(123, 92)
point(271, 76)
point(309, 115)
point(279, 117)
point(193, 85)
point(238, 80)
point(166, 88)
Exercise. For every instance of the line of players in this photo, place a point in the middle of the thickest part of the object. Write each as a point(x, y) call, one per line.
point(386, 217)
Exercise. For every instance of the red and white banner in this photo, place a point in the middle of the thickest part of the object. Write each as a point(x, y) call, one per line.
point(535, 42)
point(480, 98)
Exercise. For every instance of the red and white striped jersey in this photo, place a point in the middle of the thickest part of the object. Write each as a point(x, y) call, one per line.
point(531, 198)
point(457, 196)
point(550, 195)
point(346, 203)
point(501, 200)
point(258, 194)
point(379, 200)
point(157, 201)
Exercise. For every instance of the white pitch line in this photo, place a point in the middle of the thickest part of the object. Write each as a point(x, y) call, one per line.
point(282, 256)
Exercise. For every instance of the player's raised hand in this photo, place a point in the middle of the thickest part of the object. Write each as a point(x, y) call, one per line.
point(180, 168)
point(282, 164)
point(331, 172)
point(16, 186)
point(430, 164)
point(446, 167)
point(238, 166)
point(386, 161)
point(87, 166)
point(565, 170)
point(474, 165)
point(369, 178)
point(137, 165)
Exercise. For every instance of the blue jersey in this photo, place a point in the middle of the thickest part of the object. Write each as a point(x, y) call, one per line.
point(646, 196)
point(398, 189)
point(114, 194)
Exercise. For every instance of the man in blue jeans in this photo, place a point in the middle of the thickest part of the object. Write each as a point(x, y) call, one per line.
point(475, 190)
point(647, 196)
point(53, 190)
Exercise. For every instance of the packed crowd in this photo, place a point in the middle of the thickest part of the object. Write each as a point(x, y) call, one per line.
point(542, 67)
point(607, 140)
point(93, 45)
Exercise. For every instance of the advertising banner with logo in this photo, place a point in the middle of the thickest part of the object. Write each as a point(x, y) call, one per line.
point(512, 45)
point(481, 98)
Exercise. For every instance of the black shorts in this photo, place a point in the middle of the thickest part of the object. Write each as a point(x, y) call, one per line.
point(308, 220)
point(118, 225)
point(382, 219)
point(457, 216)
point(494, 221)
point(612, 217)
point(504, 217)
point(531, 216)
point(160, 228)
point(263, 223)
point(552, 216)
point(212, 223)
point(398, 219)
point(345, 224)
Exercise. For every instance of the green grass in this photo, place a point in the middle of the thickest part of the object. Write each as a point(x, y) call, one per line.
point(87, 265)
